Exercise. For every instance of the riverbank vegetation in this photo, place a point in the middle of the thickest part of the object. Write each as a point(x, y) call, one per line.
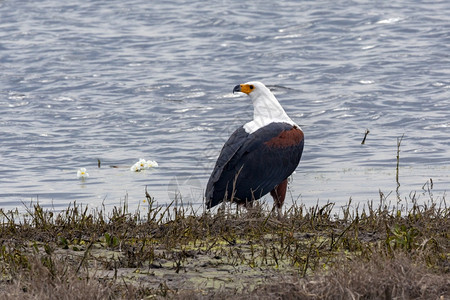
point(372, 251)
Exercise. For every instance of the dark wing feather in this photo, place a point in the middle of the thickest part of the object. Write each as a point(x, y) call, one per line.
point(234, 143)
point(261, 162)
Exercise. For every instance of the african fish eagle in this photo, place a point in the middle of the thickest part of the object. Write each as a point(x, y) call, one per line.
point(259, 157)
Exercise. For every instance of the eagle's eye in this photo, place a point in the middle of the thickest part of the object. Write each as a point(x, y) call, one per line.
point(252, 87)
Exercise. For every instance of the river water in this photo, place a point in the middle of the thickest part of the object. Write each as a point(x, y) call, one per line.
point(116, 81)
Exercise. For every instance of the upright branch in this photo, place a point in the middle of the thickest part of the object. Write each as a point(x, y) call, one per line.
point(365, 136)
point(399, 142)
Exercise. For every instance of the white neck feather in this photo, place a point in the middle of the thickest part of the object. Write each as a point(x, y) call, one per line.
point(267, 109)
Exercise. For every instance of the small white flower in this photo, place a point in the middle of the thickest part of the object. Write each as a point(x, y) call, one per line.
point(151, 164)
point(135, 168)
point(143, 164)
point(82, 174)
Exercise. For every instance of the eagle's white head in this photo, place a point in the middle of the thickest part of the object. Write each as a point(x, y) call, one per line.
point(267, 109)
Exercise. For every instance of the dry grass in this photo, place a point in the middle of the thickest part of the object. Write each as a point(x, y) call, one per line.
point(43, 278)
point(387, 252)
point(381, 277)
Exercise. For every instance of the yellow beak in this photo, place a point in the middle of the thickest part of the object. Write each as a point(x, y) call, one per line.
point(244, 88)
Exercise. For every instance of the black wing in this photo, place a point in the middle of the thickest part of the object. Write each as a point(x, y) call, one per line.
point(234, 143)
point(251, 165)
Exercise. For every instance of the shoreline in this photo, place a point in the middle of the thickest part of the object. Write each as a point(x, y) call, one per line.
point(310, 252)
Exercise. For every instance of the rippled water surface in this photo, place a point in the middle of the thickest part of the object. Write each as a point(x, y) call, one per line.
point(116, 81)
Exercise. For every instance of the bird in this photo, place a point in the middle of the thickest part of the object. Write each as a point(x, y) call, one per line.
point(259, 156)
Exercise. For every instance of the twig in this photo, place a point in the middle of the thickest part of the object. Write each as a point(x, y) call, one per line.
point(85, 256)
point(399, 142)
point(365, 136)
